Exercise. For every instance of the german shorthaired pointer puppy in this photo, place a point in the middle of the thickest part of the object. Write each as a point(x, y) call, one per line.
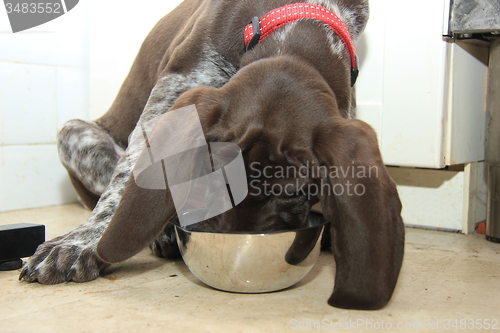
point(285, 98)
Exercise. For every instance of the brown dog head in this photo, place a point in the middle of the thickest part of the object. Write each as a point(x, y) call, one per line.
point(298, 150)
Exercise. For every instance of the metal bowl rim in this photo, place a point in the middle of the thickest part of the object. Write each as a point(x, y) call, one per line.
point(262, 233)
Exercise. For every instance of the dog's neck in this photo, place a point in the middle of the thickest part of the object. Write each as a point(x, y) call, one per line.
point(260, 28)
point(308, 41)
point(314, 43)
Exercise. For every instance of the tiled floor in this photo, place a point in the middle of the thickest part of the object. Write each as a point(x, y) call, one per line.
point(447, 281)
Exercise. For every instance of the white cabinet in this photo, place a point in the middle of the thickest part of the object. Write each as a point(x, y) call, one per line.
point(424, 96)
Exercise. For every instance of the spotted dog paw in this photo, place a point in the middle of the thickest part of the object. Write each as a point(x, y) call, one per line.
point(165, 245)
point(62, 259)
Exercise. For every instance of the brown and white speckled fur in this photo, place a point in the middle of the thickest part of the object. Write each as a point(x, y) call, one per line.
point(200, 43)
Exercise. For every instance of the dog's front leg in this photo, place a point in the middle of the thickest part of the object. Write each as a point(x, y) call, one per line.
point(73, 256)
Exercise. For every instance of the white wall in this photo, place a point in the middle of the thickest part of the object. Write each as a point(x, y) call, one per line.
point(71, 67)
point(44, 75)
point(114, 43)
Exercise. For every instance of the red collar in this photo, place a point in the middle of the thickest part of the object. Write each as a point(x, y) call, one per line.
point(290, 13)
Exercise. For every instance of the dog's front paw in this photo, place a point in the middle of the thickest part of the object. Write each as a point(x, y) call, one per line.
point(62, 259)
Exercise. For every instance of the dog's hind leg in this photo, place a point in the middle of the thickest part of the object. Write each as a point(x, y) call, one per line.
point(165, 245)
point(89, 154)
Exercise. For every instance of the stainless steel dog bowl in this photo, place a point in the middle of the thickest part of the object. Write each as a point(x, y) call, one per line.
point(251, 262)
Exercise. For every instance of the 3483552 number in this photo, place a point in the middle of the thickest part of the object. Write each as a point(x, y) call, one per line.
point(25, 8)
point(471, 324)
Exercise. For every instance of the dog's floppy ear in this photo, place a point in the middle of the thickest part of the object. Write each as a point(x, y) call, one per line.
point(173, 149)
point(361, 201)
